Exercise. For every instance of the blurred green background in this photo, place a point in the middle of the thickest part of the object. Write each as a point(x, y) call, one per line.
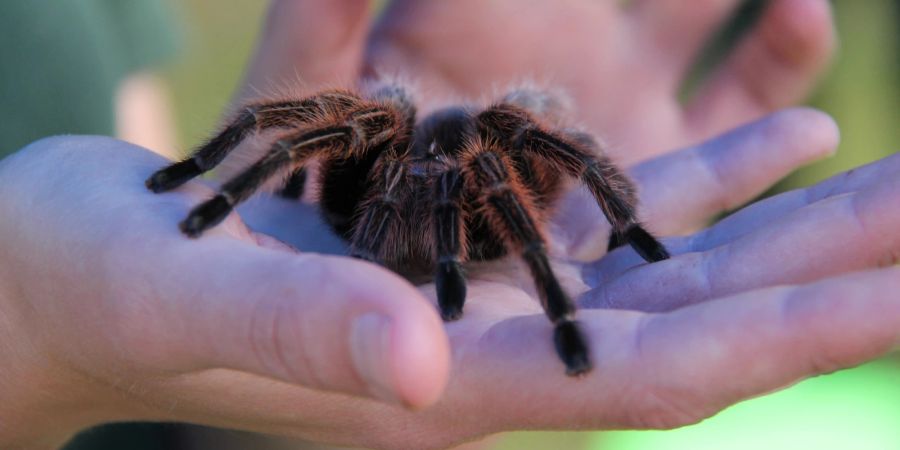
point(858, 409)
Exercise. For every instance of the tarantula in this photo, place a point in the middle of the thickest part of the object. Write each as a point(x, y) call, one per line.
point(460, 185)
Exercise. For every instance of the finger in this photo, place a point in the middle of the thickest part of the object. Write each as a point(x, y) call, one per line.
point(759, 214)
point(652, 371)
point(710, 356)
point(668, 370)
point(750, 218)
point(327, 323)
point(311, 43)
point(775, 66)
point(678, 30)
point(837, 235)
point(682, 190)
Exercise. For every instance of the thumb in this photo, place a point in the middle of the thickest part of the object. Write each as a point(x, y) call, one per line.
point(313, 43)
point(323, 322)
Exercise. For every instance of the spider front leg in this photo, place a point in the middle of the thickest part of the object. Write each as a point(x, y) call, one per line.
point(505, 203)
point(380, 212)
point(293, 187)
point(450, 242)
point(292, 149)
point(575, 153)
point(253, 118)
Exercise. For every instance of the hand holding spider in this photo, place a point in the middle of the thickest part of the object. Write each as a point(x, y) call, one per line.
point(140, 332)
point(658, 367)
point(157, 364)
point(429, 196)
point(386, 48)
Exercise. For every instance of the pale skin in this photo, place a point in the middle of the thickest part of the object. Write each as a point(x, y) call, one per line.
point(109, 313)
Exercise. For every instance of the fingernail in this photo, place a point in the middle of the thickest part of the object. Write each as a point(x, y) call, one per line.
point(370, 347)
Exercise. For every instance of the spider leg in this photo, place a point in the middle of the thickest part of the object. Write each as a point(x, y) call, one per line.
point(381, 210)
point(450, 236)
point(253, 118)
point(505, 204)
point(578, 154)
point(615, 241)
point(293, 188)
point(293, 148)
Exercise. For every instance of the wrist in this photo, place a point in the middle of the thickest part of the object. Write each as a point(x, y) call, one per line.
point(43, 402)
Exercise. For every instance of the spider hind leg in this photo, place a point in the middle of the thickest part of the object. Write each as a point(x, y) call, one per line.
point(580, 155)
point(295, 184)
point(642, 242)
point(450, 240)
point(507, 206)
point(570, 343)
point(376, 229)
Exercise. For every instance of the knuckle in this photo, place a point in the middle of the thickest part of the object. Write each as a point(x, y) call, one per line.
point(666, 408)
point(274, 344)
point(719, 183)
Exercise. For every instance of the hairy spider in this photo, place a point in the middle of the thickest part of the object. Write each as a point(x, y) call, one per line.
point(461, 185)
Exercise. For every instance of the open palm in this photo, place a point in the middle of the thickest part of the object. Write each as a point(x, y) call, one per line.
point(727, 318)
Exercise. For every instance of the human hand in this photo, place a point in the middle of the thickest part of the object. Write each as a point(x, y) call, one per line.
point(108, 313)
point(140, 323)
point(692, 362)
point(630, 63)
point(842, 225)
point(622, 65)
point(393, 428)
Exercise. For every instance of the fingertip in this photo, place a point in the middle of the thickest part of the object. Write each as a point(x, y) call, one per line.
point(800, 32)
point(418, 357)
point(341, 17)
point(773, 67)
point(327, 323)
point(320, 42)
point(809, 130)
point(421, 362)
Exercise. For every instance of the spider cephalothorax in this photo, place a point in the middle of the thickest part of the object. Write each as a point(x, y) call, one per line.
point(461, 185)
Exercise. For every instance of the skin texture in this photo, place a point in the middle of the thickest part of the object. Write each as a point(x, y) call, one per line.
point(622, 66)
point(140, 331)
point(108, 313)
